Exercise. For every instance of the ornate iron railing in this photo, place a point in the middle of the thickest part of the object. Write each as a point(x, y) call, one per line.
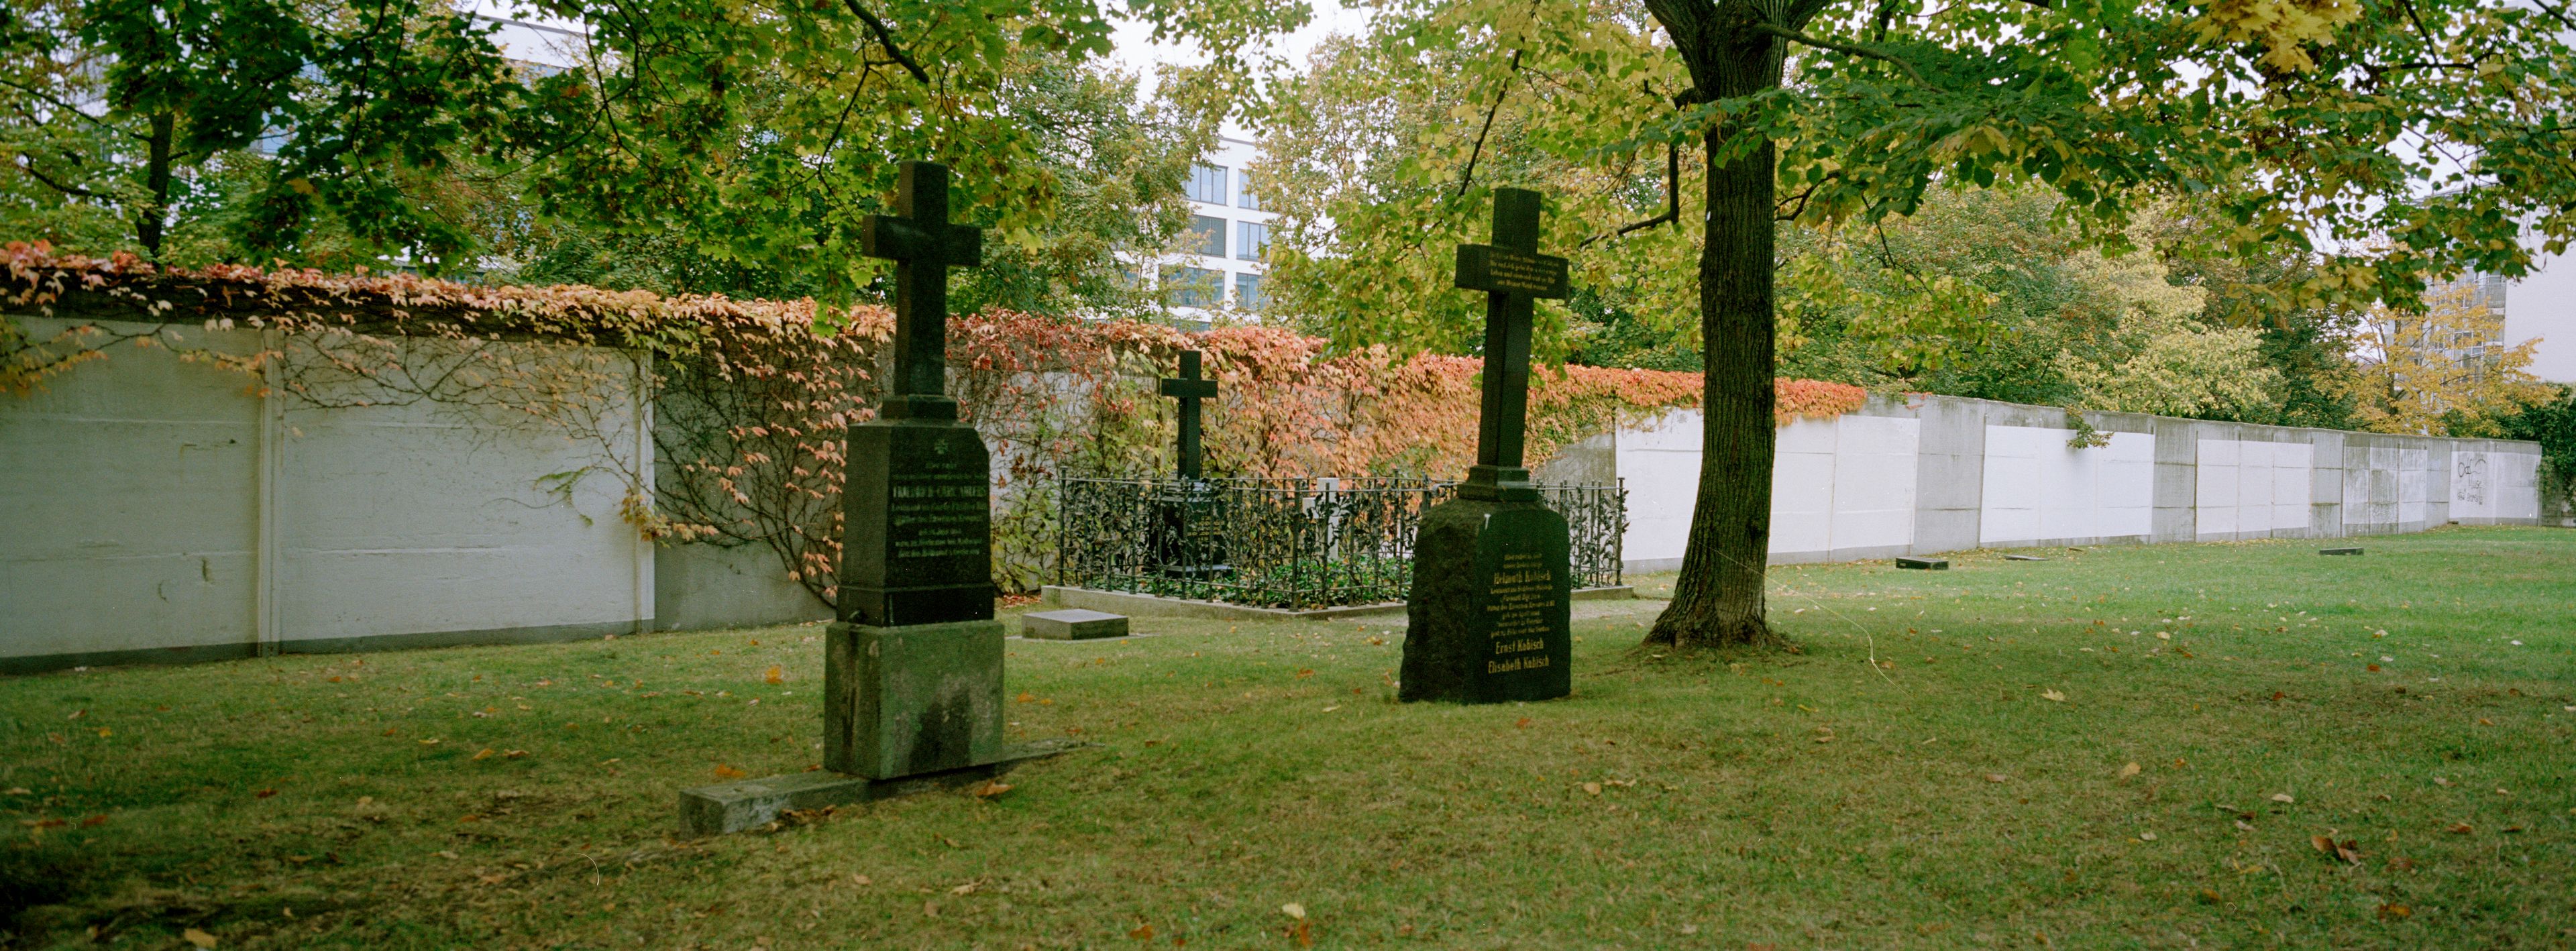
point(1287, 543)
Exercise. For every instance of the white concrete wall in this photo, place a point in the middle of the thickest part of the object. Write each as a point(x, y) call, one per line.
point(1930, 474)
point(2254, 489)
point(167, 510)
point(2038, 486)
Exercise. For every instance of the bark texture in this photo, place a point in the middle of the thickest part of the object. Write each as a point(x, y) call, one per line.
point(1719, 598)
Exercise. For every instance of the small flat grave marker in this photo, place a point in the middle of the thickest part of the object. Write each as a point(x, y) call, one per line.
point(1924, 564)
point(1073, 624)
point(2338, 551)
point(2024, 558)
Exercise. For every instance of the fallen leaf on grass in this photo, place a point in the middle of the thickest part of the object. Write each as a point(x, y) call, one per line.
point(263, 794)
point(514, 754)
point(1996, 777)
point(2341, 851)
point(1293, 910)
point(777, 675)
point(2129, 770)
point(727, 772)
point(1304, 933)
point(2052, 696)
point(2394, 912)
point(1522, 723)
point(102, 820)
point(2282, 797)
point(198, 938)
point(1027, 697)
point(1142, 933)
point(965, 889)
point(989, 789)
point(2460, 828)
point(1593, 788)
point(485, 754)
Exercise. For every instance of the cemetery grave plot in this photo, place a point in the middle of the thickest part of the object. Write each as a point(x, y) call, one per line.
point(1245, 766)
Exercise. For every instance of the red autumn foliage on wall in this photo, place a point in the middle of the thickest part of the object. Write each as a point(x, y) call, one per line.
point(751, 397)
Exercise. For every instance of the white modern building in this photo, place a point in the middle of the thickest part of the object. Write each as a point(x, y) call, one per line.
point(2543, 305)
point(1221, 268)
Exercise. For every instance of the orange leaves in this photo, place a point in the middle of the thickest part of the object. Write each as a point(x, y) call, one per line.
point(2346, 851)
point(777, 675)
point(725, 771)
point(1812, 399)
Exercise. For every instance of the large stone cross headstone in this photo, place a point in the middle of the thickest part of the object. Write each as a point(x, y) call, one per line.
point(1490, 609)
point(912, 670)
point(1190, 542)
point(1189, 389)
point(913, 673)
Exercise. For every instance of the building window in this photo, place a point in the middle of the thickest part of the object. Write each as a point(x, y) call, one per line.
point(1243, 196)
point(1250, 239)
point(1247, 291)
point(1207, 184)
point(1192, 286)
point(1207, 236)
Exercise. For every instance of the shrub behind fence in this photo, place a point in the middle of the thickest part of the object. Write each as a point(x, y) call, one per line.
point(1287, 543)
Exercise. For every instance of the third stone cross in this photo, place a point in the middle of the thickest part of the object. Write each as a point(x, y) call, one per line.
point(1489, 614)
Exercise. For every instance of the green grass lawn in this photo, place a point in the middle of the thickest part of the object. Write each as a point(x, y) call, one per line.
point(2114, 747)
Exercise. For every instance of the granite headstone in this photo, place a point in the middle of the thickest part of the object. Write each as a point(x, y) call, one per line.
point(1490, 612)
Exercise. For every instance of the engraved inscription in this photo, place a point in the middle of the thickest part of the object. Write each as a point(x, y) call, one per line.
point(938, 514)
point(1514, 271)
point(1519, 602)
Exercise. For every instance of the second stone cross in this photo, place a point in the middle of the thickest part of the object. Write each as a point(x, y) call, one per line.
point(1490, 610)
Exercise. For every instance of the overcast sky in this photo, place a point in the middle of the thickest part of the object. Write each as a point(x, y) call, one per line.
point(1135, 54)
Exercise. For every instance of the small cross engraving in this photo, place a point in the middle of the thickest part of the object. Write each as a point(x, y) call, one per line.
point(923, 245)
point(1189, 389)
point(1513, 275)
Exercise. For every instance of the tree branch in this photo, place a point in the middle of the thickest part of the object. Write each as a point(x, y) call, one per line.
point(1672, 199)
point(1841, 47)
point(1469, 173)
point(2555, 13)
point(885, 38)
point(28, 165)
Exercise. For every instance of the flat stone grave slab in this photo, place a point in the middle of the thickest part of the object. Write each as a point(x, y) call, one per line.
point(1924, 564)
point(2024, 558)
point(1072, 624)
point(2338, 551)
point(727, 808)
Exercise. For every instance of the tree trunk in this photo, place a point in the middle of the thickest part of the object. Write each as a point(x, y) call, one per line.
point(1718, 599)
point(149, 219)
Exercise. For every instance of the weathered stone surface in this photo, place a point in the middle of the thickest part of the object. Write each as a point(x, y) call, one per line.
point(919, 521)
point(727, 808)
point(1924, 564)
point(1072, 624)
point(901, 701)
point(1490, 614)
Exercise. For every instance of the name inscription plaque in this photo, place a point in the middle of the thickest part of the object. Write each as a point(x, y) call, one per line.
point(918, 515)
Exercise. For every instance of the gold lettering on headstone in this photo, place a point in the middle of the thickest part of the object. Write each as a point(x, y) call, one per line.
point(1514, 271)
point(1519, 602)
point(939, 514)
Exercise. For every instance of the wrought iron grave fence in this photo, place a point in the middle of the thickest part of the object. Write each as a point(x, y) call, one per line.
point(1287, 543)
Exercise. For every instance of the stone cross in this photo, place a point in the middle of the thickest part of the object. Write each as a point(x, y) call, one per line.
point(1513, 275)
point(923, 245)
point(1189, 389)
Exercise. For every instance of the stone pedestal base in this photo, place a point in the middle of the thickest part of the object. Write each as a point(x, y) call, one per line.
point(727, 808)
point(1490, 612)
point(905, 701)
